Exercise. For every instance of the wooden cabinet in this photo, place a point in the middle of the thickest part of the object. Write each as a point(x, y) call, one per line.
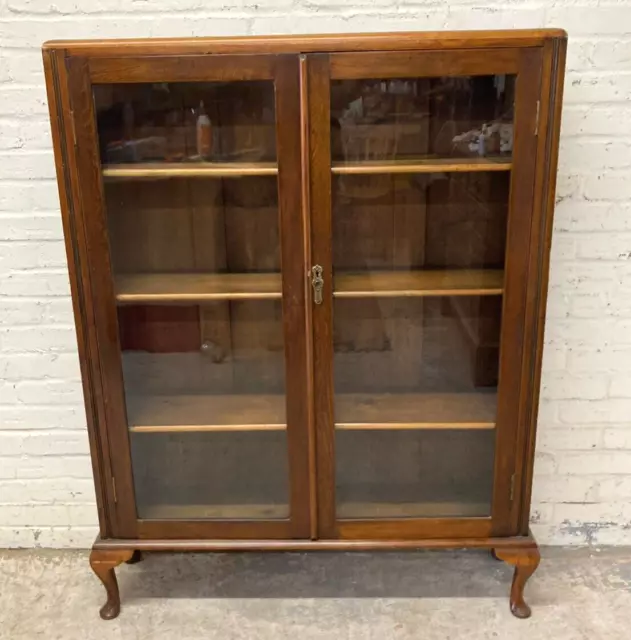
point(309, 280)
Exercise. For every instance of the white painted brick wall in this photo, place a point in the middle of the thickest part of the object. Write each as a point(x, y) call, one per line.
point(582, 487)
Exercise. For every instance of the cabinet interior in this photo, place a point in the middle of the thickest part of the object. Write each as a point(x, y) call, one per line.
point(418, 241)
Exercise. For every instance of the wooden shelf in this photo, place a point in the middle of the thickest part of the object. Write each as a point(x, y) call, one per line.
point(162, 170)
point(370, 510)
point(456, 282)
point(197, 287)
point(423, 165)
point(345, 510)
point(206, 413)
point(148, 414)
point(416, 411)
point(215, 512)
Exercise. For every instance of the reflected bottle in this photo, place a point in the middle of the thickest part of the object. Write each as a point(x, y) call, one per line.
point(204, 133)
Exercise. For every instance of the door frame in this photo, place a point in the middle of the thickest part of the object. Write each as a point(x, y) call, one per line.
point(526, 63)
point(99, 324)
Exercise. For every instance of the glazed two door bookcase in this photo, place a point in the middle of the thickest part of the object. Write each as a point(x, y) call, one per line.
point(309, 279)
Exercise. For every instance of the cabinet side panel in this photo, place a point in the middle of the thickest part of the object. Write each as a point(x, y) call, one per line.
point(65, 163)
point(97, 278)
point(547, 156)
point(520, 219)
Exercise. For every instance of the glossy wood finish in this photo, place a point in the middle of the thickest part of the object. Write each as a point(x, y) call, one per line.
point(195, 413)
point(236, 529)
point(525, 560)
point(520, 552)
point(414, 528)
point(422, 165)
point(306, 240)
point(305, 173)
point(293, 229)
point(158, 544)
point(321, 252)
point(197, 287)
point(403, 411)
point(102, 320)
point(525, 64)
point(164, 170)
point(61, 128)
point(410, 40)
point(285, 76)
point(349, 511)
point(103, 563)
point(389, 511)
point(426, 64)
point(512, 340)
point(554, 54)
point(191, 68)
point(441, 282)
point(226, 512)
point(353, 411)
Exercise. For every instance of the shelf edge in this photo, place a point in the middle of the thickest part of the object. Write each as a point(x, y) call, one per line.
point(364, 169)
point(206, 428)
point(416, 293)
point(374, 426)
point(115, 172)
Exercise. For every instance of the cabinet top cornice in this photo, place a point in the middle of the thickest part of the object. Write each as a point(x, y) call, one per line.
point(278, 44)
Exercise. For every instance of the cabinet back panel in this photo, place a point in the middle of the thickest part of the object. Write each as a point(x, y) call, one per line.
point(227, 347)
point(211, 475)
point(415, 344)
point(414, 473)
point(193, 225)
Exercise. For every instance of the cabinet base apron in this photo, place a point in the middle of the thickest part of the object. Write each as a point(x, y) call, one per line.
point(521, 552)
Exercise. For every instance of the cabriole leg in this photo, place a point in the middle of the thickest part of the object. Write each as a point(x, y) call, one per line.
point(103, 563)
point(525, 561)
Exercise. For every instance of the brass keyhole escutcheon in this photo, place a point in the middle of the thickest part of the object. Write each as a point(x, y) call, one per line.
point(317, 282)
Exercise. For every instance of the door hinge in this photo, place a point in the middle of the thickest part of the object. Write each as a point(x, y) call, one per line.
point(512, 487)
point(114, 489)
point(537, 118)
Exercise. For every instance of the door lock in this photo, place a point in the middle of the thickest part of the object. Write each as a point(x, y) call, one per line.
point(317, 282)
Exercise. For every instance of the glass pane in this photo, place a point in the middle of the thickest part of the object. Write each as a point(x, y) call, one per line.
point(420, 202)
point(414, 474)
point(186, 122)
point(230, 475)
point(189, 176)
point(465, 117)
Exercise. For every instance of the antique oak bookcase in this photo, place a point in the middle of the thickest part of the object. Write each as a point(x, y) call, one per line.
point(309, 280)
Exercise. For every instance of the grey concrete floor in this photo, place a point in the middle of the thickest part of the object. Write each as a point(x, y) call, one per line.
point(575, 594)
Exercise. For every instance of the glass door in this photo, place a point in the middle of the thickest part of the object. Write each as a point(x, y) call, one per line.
point(422, 275)
point(197, 186)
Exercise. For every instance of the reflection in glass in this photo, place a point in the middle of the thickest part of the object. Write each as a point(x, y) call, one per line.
point(196, 263)
point(420, 202)
point(186, 122)
point(189, 476)
point(434, 117)
point(414, 473)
